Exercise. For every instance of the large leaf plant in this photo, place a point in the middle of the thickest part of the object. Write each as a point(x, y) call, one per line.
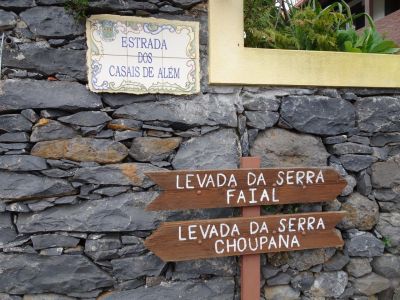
point(280, 25)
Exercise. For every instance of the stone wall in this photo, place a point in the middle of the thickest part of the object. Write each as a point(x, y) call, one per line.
point(73, 192)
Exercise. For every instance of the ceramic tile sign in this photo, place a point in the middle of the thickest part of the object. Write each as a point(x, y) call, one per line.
point(142, 55)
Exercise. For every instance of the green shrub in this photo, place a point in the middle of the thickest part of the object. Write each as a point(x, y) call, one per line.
point(278, 26)
point(78, 7)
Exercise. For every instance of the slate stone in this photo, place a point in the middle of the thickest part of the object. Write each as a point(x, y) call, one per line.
point(66, 200)
point(115, 5)
point(264, 101)
point(134, 267)
point(224, 266)
point(117, 174)
point(389, 227)
point(40, 205)
point(8, 20)
point(111, 191)
point(7, 230)
point(105, 134)
point(14, 146)
point(281, 292)
point(185, 3)
point(269, 271)
point(372, 91)
point(318, 114)
point(16, 4)
point(47, 130)
point(364, 245)
point(351, 183)
point(358, 267)
point(382, 139)
point(381, 153)
point(52, 113)
point(52, 21)
point(118, 100)
point(107, 242)
point(329, 284)
point(125, 124)
point(47, 296)
point(14, 137)
point(302, 281)
point(19, 241)
point(132, 250)
point(124, 212)
point(385, 194)
point(244, 143)
point(18, 94)
point(217, 149)
point(371, 284)
point(378, 114)
point(58, 173)
point(17, 207)
point(92, 131)
point(30, 115)
point(362, 213)
point(280, 279)
point(51, 251)
point(221, 288)
point(350, 148)
point(304, 260)
point(103, 248)
point(356, 162)
point(201, 110)
point(19, 186)
point(261, 119)
point(390, 206)
point(282, 148)
point(387, 265)
point(364, 185)
point(47, 61)
point(43, 241)
point(14, 122)
point(22, 163)
point(337, 262)
point(386, 174)
point(330, 140)
point(64, 274)
point(152, 148)
point(86, 118)
point(102, 255)
point(49, 2)
point(131, 240)
point(364, 140)
point(82, 149)
point(171, 10)
point(126, 135)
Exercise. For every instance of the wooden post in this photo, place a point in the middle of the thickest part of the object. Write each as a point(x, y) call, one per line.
point(250, 264)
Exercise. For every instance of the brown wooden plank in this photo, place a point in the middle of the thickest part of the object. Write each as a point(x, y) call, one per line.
point(176, 241)
point(250, 265)
point(273, 190)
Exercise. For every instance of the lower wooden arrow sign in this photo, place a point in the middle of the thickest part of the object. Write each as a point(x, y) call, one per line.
point(177, 241)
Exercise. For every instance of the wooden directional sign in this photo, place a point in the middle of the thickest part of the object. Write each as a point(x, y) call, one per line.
point(176, 241)
point(245, 187)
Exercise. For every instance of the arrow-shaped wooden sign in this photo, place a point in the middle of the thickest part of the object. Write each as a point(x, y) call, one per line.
point(176, 241)
point(244, 187)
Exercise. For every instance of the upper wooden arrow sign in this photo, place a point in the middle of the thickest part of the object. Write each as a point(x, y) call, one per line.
point(244, 187)
point(176, 241)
